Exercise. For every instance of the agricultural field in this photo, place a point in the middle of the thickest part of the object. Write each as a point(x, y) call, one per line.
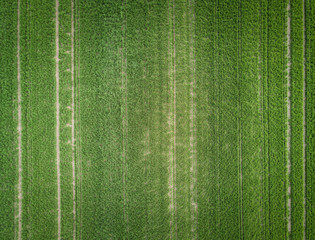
point(157, 119)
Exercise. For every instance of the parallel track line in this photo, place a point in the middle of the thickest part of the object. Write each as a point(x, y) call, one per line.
point(174, 125)
point(304, 120)
point(58, 122)
point(193, 187)
point(72, 121)
point(289, 112)
point(19, 127)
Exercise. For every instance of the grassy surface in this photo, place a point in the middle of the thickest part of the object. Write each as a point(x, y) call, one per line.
point(309, 12)
point(263, 66)
point(207, 120)
point(102, 206)
point(65, 119)
point(229, 112)
point(8, 122)
point(135, 118)
point(296, 121)
point(181, 103)
point(277, 118)
point(250, 121)
point(155, 151)
point(39, 120)
point(191, 120)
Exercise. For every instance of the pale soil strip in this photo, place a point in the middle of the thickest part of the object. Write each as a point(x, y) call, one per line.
point(29, 151)
point(125, 112)
point(19, 127)
point(217, 76)
point(72, 120)
point(146, 153)
point(78, 149)
point(261, 111)
point(171, 159)
point(289, 110)
point(193, 186)
point(304, 122)
point(174, 125)
point(146, 144)
point(58, 121)
point(261, 122)
point(239, 58)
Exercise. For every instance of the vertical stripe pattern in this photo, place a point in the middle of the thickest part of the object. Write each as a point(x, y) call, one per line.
point(160, 119)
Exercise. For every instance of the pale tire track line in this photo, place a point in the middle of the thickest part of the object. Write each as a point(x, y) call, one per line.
point(170, 168)
point(193, 188)
point(285, 132)
point(78, 133)
point(58, 122)
point(289, 112)
point(261, 111)
point(124, 112)
point(72, 121)
point(19, 127)
point(146, 141)
point(29, 143)
point(174, 118)
point(216, 73)
point(304, 119)
point(239, 59)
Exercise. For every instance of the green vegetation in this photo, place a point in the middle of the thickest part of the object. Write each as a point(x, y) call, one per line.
point(181, 94)
point(65, 99)
point(263, 67)
point(8, 116)
point(297, 122)
point(250, 121)
point(230, 206)
point(207, 106)
point(156, 144)
point(177, 119)
point(309, 19)
point(135, 118)
point(38, 120)
point(277, 118)
point(101, 187)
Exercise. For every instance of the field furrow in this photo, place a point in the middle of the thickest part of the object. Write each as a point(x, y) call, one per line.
point(19, 127)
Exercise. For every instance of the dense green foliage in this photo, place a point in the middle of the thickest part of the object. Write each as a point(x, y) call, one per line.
point(38, 120)
point(65, 99)
point(178, 119)
point(102, 188)
point(296, 153)
point(250, 120)
point(276, 134)
point(8, 115)
point(309, 16)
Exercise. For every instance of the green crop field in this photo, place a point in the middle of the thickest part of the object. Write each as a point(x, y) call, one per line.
point(157, 119)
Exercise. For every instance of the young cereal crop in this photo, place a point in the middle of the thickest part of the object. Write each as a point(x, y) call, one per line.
point(157, 119)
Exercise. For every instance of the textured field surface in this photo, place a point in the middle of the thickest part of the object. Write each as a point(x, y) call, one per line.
point(157, 119)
